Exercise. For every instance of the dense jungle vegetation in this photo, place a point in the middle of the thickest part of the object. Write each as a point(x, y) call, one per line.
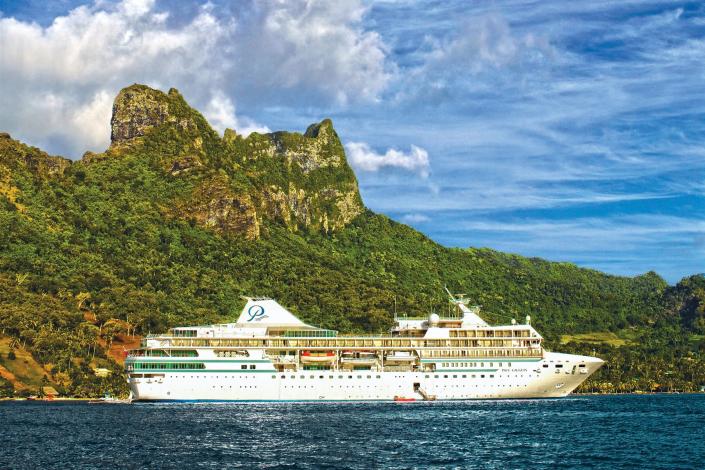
point(96, 251)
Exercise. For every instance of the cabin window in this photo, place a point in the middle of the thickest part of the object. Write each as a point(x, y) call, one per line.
point(183, 353)
point(252, 366)
point(185, 333)
point(244, 366)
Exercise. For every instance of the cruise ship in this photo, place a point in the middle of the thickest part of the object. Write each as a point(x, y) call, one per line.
point(268, 354)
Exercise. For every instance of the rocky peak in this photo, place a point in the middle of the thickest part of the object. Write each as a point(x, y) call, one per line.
point(300, 180)
point(137, 109)
point(323, 130)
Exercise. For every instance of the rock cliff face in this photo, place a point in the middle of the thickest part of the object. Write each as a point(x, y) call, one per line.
point(231, 184)
point(213, 204)
point(300, 180)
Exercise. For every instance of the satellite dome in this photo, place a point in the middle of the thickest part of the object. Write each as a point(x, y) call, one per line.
point(433, 319)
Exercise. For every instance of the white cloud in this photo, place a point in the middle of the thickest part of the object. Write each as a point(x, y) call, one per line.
point(484, 41)
point(58, 81)
point(220, 112)
point(415, 218)
point(317, 47)
point(362, 157)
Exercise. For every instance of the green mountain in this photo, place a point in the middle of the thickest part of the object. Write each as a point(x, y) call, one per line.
point(173, 223)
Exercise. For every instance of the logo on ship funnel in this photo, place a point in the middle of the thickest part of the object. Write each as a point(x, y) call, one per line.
point(256, 312)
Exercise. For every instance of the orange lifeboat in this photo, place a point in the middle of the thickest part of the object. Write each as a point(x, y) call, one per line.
point(317, 357)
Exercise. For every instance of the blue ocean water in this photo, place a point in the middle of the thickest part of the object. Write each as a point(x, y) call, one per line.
point(610, 432)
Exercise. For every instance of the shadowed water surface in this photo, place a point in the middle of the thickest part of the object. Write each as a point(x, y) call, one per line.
point(657, 431)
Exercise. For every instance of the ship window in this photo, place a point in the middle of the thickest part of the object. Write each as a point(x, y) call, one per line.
point(482, 376)
point(545, 366)
point(274, 376)
point(465, 376)
point(379, 376)
point(293, 376)
point(473, 376)
point(244, 366)
point(427, 376)
point(559, 366)
point(252, 366)
point(455, 376)
point(509, 364)
point(445, 376)
point(491, 376)
point(581, 365)
point(435, 376)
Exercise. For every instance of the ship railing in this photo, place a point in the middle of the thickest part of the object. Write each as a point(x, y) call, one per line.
point(283, 359)
point(353, 343)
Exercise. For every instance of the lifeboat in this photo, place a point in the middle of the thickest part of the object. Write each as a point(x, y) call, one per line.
point(358, 358)
point(400, 357)
point(397, 398)
point(317, 357)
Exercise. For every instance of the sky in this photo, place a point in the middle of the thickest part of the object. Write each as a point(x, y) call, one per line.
point(571, 131)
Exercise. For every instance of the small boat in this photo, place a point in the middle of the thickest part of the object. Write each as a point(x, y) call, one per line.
point(110, 400)
point(364, 358)
point(400, 357)
point(397, 398)
point(317, 357)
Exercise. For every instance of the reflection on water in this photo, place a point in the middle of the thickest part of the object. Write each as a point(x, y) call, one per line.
point(659, 431)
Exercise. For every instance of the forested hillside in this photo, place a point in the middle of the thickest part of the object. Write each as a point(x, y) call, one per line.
point(173, 223)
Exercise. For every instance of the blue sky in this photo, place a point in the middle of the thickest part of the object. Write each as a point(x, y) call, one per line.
point(572, 131)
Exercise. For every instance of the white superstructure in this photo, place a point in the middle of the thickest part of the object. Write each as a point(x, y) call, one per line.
point(270, 355)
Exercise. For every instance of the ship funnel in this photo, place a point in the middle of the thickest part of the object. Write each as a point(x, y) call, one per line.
point(264, 311)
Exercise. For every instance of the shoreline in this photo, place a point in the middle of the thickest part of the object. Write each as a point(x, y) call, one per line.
point(83, 399)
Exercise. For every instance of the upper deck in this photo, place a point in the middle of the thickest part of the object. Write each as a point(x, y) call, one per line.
point(264, 324)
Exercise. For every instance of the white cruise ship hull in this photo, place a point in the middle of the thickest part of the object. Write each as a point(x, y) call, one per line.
point(556, 375)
